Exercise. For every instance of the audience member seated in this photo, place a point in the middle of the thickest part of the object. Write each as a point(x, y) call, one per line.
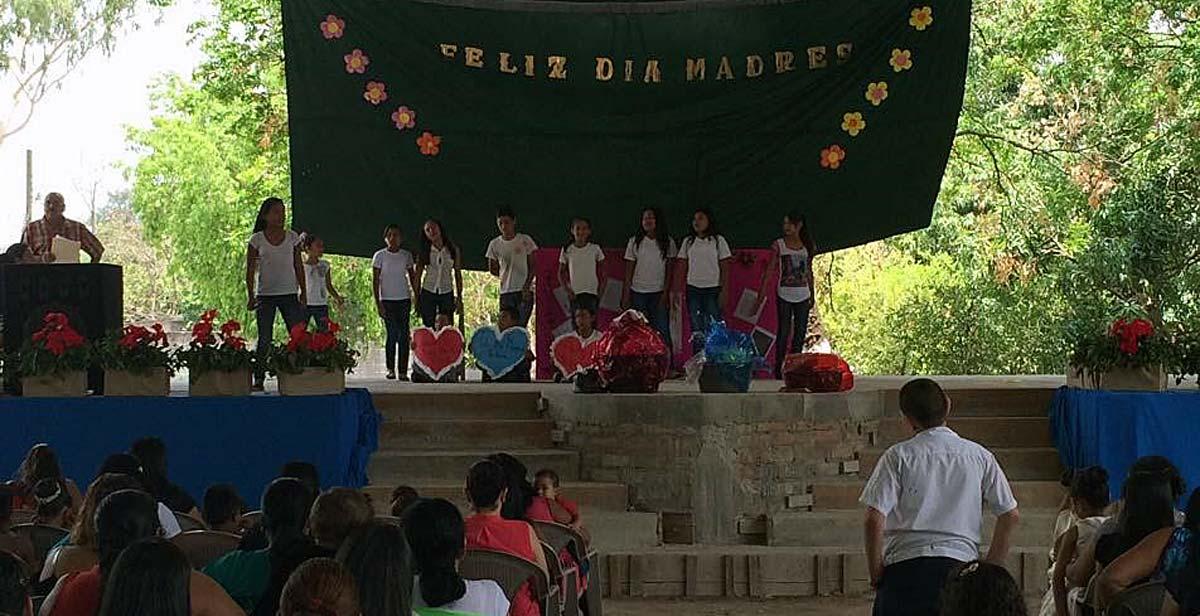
point(487, 489)
point(53, 504)
point(981, 589)
point(126, 464)
point(1168, 554)
point(520, 491)
point(82, 552)
point(336, 515)
point(42, 463)
point(435, 532)
point(254, 578)
point(377, 556)
point(403, 497)
point(10, 541)
point(320, 587)
point(14, 586)
point(223, 509)
point(152, 453)
point(1088, 499)
point(306, 472)
point(551, 506)
point(152, 576)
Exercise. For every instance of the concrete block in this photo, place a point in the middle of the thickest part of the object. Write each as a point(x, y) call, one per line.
point(614, 461)
point(797, 501)
point(756, 525)
point(849, 467)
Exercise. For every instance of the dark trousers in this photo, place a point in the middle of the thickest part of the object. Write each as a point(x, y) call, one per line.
point(395, 322)
point(659, 315)
point(319, 315)
point(430, 304)
point(288, 307)
point(516, 301)
point(704, 309)
point(793, 325)
point(585, 300)
point(913, 587)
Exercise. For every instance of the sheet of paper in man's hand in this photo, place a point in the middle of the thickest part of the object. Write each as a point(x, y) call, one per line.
point(64, 250)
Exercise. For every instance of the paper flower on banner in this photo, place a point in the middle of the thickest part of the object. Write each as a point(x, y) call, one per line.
point(429, 143)
point(921, 18)
point(404, 118)
point(356, 61)
point(333, 27)
point(901, 60)
point(832, 157)
point(877, 92)
point(376, 92)
point(853, 123)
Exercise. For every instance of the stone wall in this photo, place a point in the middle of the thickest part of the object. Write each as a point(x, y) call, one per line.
point(729, 460)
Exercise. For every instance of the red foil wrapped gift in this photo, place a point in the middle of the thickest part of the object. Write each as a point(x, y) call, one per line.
point(817, 372)
point(632, 357)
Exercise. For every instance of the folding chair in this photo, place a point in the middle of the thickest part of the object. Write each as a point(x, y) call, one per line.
point(562, 537)
point(202, 547)
point(1141, 600)
point(510, 572)
point(43, 538)
point(188, 523)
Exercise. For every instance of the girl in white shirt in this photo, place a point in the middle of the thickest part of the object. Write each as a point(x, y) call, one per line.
point(393, 278)
point(581, 267)
point(705, 255)
point(791, 256)
point(648, 258)
point(437, 538)
point(318, 281)
point(440, 271)
point(274, 274)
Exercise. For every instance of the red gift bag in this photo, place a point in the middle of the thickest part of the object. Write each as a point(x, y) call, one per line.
point(817, 372)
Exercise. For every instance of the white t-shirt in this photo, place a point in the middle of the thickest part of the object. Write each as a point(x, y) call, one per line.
point(439, 273)
point(316, 277)
point(793, 273)
point(513, 256)
point(581, 266)
point(931, 489)
point(704, 260)
point(276, 264)
point(650, 268)
point(393, 273)
point(484, 597)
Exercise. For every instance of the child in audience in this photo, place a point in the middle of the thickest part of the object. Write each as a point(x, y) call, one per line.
point(436, 536)
point(319, 282)
point(320, 587)
point(53, 504)
point(980, 588)
point(337, 514)
point(1089, 498)
point(581, 267)
point(403, 497)
point(705, 255)
point(378, 558)
point(487, 489)
point(394, 277)
point(561, 509)
point(510, 258)
point(508, 319)
point(223, 508)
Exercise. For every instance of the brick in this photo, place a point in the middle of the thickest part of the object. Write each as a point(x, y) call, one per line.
point(797, 501)
point(849, 467)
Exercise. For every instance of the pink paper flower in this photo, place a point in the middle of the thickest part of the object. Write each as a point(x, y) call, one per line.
point(404, 118)
point(376, 92)
point(356, 61)
point(429, 143)
point(333, 27)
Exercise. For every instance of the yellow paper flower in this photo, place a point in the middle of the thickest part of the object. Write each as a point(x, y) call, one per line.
point(853, 123)
point(901, 60)
point(877, 92)
point(921, 18)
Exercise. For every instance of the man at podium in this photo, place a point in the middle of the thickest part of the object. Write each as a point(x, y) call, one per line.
point(39, 235)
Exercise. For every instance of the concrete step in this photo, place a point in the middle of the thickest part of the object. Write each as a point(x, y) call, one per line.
point(459, 405)
point(1019, 463)
point(626, 530)
point(987, 431)
point(834, 495)
point(989, 402)
point(845, 529)
point(409, 433)
point(591, 496)
point(411, 466)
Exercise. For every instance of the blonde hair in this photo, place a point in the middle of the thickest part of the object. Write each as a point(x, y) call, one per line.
point(320, 587)
point(84, 533)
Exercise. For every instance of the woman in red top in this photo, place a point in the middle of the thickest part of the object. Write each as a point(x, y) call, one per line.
point(488, 530)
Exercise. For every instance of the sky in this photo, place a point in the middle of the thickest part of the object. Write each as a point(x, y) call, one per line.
point(77, 133)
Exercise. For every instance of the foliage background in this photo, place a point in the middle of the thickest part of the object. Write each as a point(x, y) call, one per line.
point(1071, 199)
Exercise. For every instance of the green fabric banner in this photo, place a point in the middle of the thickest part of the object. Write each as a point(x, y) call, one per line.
point(403, 110)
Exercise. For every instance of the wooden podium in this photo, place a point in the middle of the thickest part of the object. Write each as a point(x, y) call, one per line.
point(90, 294)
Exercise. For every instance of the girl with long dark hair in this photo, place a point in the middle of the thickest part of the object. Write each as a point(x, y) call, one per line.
point(791, 257)
point(1168, 554)
point(439, 270)
point(274, 274)
point(41, 462)
point(151, 576)
point(377, 557)
point(648, 257)
point(435, 532)
point(705, 255)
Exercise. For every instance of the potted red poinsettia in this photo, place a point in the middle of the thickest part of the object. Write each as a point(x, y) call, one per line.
point(218, 362)
point(1131, 355)
point(54, 362)
point(137, 362)
point(312, 363)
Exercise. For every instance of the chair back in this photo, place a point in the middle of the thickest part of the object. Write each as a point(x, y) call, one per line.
point(561, 537)
point(23, 516)
point(1141, 600)
point(43, 539)
point(390, 519)
point(205, 546)
point(252, 519)
point(508, 571)
point(188, 523)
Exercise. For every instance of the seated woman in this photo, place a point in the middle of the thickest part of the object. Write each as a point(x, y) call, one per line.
point(1169, 554)
point(436, 536)
point(486, 489)
point(152, 576)
point(82, 552)
point(42, 463)
point(320, 587)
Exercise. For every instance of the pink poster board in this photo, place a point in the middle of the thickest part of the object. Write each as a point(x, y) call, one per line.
point(746, 271)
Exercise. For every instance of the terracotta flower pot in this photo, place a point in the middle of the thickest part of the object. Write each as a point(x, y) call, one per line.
point(66, 385)
point(155, 382)
point(313, 382)
point(1147, 378)
point(220, 383)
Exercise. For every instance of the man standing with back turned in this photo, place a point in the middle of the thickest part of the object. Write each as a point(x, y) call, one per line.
point(924, 499)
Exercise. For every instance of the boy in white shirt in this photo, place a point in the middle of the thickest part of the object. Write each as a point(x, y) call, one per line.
point(510, 258)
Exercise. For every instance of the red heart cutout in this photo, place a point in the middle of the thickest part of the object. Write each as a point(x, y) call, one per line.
point(437, 352)
point(572, 354)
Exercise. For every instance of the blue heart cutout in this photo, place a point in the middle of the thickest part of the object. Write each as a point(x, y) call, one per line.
point(499, 352)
